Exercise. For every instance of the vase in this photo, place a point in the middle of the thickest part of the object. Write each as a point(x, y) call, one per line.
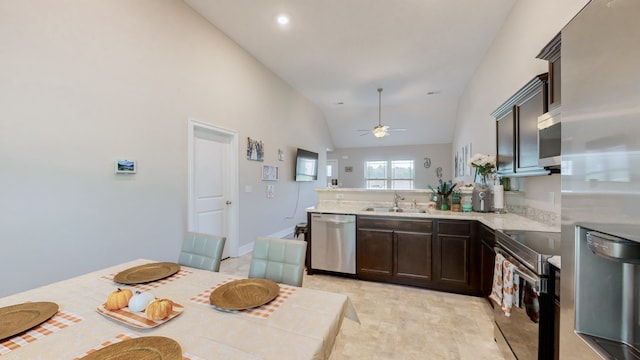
point(484, 179)
point(444, 202)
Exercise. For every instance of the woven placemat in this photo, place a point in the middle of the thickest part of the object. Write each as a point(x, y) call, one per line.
point(146, 347)
point(146, 273)
point(244, 294)
point(22, 317)
point(123, 337)
point(155, 284)
point(263, 312)
point(61, 320)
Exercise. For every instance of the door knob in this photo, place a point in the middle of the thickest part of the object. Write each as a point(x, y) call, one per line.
point(228, 202)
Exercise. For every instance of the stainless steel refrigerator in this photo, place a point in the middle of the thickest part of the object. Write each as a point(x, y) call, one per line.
point(600, 309)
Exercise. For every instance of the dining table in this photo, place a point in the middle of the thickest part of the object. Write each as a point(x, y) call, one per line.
point(300, 323)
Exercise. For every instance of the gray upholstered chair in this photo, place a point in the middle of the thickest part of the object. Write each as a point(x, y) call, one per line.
point(202, 251)
point(280, 260)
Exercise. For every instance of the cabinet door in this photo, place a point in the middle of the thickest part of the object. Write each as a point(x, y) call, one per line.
point(487, 263)
point(453, 259)
point(375, 253)
point(527, 124)
point(555, 74)
point(413, 256)
point(487, 260)
point(505, 128)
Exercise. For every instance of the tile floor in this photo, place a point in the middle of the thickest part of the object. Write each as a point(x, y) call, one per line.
point(402, 322)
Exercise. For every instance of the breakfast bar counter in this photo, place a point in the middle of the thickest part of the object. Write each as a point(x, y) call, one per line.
point(300, 323)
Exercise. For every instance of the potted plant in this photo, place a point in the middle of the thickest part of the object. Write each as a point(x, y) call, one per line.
point(444, 190)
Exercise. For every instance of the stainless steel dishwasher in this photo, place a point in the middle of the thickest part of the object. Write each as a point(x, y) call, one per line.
point(333, 243)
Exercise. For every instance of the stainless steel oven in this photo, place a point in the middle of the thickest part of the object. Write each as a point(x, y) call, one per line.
point(528, 332)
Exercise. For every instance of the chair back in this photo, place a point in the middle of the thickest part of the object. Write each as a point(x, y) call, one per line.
point(202, 251)
point(280, 260)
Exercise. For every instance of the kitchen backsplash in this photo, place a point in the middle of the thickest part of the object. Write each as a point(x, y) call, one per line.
point(515, 201)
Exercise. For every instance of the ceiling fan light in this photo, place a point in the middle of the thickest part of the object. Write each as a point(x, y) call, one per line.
point(379, 132)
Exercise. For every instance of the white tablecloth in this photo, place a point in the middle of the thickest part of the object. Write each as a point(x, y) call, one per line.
point(303, 327)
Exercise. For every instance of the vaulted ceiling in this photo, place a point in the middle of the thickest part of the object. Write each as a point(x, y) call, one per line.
point(337, 53)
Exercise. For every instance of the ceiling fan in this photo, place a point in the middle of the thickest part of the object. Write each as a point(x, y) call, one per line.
point(380, 130)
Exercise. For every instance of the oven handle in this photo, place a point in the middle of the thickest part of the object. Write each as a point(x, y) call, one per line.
point(522, 271)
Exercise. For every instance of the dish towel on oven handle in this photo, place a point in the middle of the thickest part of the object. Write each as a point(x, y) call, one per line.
point(507, 286)
point(517, 293)
point(496, 289)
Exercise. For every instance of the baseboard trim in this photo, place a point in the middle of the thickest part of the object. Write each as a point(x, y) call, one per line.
point(285, 233)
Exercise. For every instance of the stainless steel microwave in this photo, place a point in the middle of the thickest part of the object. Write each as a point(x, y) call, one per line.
point(549, 132)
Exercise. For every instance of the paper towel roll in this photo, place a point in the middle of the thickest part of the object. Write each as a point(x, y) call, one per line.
point(498, 197)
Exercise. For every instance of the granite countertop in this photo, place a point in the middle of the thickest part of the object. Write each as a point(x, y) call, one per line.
point(492, 220)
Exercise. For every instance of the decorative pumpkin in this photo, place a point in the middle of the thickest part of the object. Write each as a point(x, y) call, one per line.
point(118, 299)
point(140, 300)
point(159, 309)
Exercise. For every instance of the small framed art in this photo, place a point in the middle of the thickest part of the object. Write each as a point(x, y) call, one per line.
point(269, 173)
point(125, 166)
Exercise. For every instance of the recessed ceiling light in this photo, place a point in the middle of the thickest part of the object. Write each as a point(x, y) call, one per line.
point(283, 19)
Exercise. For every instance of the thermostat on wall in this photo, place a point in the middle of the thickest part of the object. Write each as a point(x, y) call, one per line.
point(125, 166)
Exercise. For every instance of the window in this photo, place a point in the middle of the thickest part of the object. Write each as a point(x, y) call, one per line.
point(402, 174)
point(378, 177)
point(375, 174)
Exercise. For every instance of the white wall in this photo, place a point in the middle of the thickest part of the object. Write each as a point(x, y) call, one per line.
point(440, 155)
point(84, 83)
point(509, 64)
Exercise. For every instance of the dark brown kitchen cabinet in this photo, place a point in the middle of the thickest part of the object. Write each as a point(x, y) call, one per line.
point(517, 129)
point(506, 142)
point(412, 256)
point(487, 259)
point(551, 53)
point(375, 254)
point(395, 250)
point(456, 260)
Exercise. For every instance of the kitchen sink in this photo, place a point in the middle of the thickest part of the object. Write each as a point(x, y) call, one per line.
point(402, 210)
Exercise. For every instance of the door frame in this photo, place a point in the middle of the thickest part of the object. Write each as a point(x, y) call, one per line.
point(337, 174)
point(231, 179)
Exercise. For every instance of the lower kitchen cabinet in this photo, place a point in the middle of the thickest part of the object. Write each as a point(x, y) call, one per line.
point(412, 259)
point(487, 259)
point(374, 254)
point(456, 260)
point(395, 250)
point(410, 251)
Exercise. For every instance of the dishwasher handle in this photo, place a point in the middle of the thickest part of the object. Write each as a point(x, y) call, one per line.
point(334, 219)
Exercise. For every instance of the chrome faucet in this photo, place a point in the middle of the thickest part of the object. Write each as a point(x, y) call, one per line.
point(396, 197)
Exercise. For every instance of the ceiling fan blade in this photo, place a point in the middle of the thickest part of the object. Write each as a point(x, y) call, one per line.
point(365, 134)
point(398, 129)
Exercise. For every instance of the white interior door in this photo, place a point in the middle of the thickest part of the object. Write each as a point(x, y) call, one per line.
point(332, 170)
point(213, 179)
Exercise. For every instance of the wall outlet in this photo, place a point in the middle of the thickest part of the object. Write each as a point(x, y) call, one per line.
point(248, 188)
point(552, 197)
point(339, 196)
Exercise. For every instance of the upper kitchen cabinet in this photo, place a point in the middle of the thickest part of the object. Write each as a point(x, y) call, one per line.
point(517, 129)
point(551, 53)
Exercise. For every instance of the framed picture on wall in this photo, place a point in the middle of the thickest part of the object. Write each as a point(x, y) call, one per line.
point(125, 166)
point(269, 173)
point(467, 157)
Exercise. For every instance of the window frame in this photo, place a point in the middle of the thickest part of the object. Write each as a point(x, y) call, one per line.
point(390, 178)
